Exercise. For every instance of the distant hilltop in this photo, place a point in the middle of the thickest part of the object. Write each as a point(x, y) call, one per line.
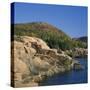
point(83, 39)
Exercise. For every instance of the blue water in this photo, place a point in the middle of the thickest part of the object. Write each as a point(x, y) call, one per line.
point(71, 77)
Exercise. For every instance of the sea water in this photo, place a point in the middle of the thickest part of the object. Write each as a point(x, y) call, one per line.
point(70, 77)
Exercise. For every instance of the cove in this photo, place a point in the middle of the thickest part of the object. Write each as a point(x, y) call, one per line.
point(71, 77)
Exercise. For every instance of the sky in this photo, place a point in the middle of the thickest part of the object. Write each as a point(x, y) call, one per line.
point(70, 19)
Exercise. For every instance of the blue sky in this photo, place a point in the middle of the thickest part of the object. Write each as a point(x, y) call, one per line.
point(70, 19)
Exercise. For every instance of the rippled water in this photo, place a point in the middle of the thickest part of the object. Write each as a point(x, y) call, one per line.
point(71, 77)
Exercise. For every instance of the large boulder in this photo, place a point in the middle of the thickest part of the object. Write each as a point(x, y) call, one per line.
point(32, 61)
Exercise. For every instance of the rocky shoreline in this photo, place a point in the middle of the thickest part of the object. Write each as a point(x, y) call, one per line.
point(33, 61)
point(77, 52)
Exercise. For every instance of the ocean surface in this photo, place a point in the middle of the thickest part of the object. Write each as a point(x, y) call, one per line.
point(71, 77)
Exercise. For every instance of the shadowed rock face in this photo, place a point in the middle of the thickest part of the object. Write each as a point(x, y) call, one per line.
point(33, 61)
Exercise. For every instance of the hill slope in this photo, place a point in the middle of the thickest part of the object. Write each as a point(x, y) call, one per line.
point(53, 36)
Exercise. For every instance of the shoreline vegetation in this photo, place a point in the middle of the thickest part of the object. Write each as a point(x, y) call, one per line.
point(40, 50)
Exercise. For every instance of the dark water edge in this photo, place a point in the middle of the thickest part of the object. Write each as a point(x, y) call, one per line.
point(70, 77)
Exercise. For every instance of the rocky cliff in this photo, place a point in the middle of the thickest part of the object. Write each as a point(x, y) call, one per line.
point(33, 61)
